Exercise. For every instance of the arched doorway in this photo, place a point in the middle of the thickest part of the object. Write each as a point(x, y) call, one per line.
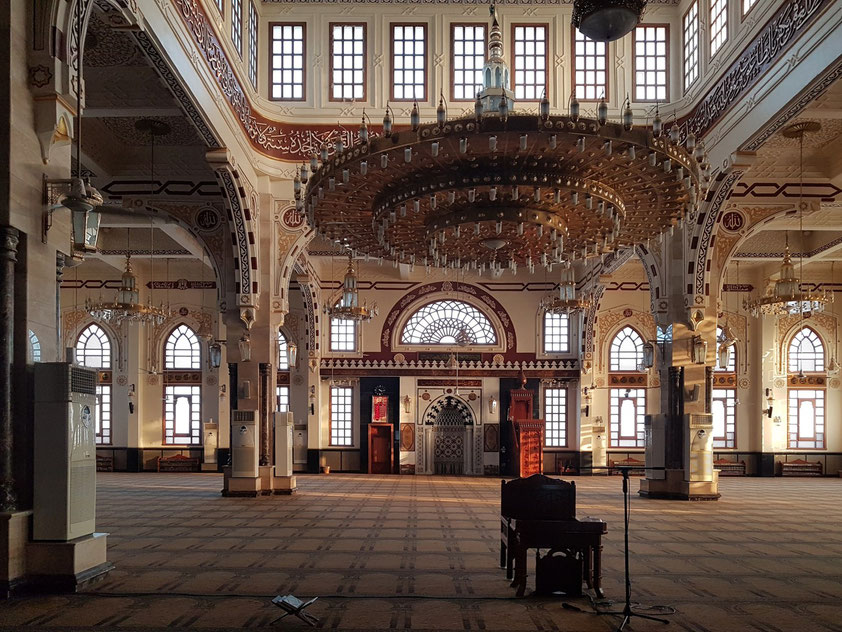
point(449, 430)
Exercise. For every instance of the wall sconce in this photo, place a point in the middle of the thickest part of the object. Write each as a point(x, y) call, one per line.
point(648, 355)
point(244, 343)
point(292, 354)
point(82, 200)
point(222, 391)
point(245, 389)
point(407, 403)
point(492, 405)
point(698, 349)
point(769, 400)
point(586, 402)
point(724, 354)
point(313, 400)
point(215, 354)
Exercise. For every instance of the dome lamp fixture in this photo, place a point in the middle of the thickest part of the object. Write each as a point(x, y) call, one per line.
point(607, 20)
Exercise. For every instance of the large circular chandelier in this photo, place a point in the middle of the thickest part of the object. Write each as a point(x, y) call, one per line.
point(502, 189)
point(126, 307)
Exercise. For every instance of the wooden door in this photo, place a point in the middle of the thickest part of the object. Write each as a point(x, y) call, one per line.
point(380, 448)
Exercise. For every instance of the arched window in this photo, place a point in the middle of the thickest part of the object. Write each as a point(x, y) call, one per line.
point(282, 390)
point(806, 352)
point(343, 333)
point(664, 335)
point(626, 352)
point(181, 350)
point(731, 365)
point(34, 347)
point(805, 418)
point(182, 402)
point(627, 406)
point(448, 322)
point(93, 350)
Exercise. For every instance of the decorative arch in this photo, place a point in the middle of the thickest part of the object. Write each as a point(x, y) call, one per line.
point(292, 234)
point(805, 351)
point(406, 306)
point(448, 410)
point(448, 322)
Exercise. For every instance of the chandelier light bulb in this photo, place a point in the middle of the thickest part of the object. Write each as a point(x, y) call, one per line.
point(403, 210)
point(667, 165)
point(363, 168)
point(607, 147)
point(339, 146)
point(628, 115)
point(574, 198)
point(699, 151)
point(492, 194)
point(580, 144)
point(553, 141)
point(451, 196)
point(384, 161)
point(434, 149)
point(690, 142)
point(588, 201)
point(346, 175)
point(476, 228)
point(520, 228)
point(653, 159)
point(314, 162)
point(544, 107)
point(331, 184)
point(478, 108)
point(363, 130)
point(675, 134)
point(463, 145)
point(523, 139)
point(407, 154)
point(392, 215)
point(387, 122)
point(557, 196)
point(492, 143)
point(499, 227)
point(536, 193)
point(323, 152)
point(632, 152)
point(472, 194)
point(441, 114)
point(657, 123)
point(515, 193)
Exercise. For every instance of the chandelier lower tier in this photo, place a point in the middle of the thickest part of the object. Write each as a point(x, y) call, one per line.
point(498, 192)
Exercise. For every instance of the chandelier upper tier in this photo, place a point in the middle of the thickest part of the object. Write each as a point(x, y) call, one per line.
point(500, 189)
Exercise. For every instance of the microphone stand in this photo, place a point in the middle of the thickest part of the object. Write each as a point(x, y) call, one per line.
point(627, 613)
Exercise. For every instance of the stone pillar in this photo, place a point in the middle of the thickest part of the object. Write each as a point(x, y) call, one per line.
point(8, 257)
point(59, 276)
point(265, 426)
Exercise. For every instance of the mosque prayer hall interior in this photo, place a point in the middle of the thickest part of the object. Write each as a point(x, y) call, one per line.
point(444, 315)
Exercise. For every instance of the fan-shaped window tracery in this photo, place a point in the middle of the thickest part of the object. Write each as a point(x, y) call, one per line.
point(806, 352)
point(448, 322)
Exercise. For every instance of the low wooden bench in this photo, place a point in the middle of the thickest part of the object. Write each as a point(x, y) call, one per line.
point(104, 463)
point(800, 467)
point(730, 468)
point(177, 463)
point(639, 467)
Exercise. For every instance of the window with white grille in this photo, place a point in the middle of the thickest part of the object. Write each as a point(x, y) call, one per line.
point(556, 333)
point(806, 419)
point(347, 62)
point(467, 60)
point(103, 414)
point(626, 352)
point(806, 352)
point(283, 352)
point(651, 63)
point(555, 417)
point(182, 414)
point(237, 25)
point(691, 44)
point(627, 412)
point(254, 25)
point(34, 347)
point(343, 334)
point(287, 55)
point(282, 398)
point(341, 415)
point(409, 62)
point(747, 5)
point(590, 74)
point(530, 55)
point(93, 348)
point(220, 4)
point(718, 25)
point(181, 350)
point(723, 408)
point(448, 323)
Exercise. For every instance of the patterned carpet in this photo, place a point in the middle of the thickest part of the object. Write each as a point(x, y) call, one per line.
point(420, 553)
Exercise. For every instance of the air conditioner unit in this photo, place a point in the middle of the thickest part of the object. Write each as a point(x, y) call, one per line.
point(698, 437)
point(599, 452)
point(654, 432)
point(283, 443)
point(65, 451)
point(244, 444)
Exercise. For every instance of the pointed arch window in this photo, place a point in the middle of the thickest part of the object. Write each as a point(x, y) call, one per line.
point(627, 406)
point(282, 390)
point(181, 350)
point(448, 323)
point(724, 400)
point(93, 350)
point(806, 352)
point(182, 401)
point(283, 352)
point(626, 352)
point(34, 347)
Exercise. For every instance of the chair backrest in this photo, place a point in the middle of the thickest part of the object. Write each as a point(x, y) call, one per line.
point(538, 497)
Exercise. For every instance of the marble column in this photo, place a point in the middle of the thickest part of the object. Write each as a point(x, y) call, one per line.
point(60, 259)
point(8, 257)
point(265, 426)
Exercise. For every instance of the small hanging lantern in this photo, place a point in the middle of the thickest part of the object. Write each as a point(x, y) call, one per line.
point(244, 344)
point(699, 349)
point(292, 353)
point(407, 403)
point(492, 405)
point(648, 355)
point(215, 354)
